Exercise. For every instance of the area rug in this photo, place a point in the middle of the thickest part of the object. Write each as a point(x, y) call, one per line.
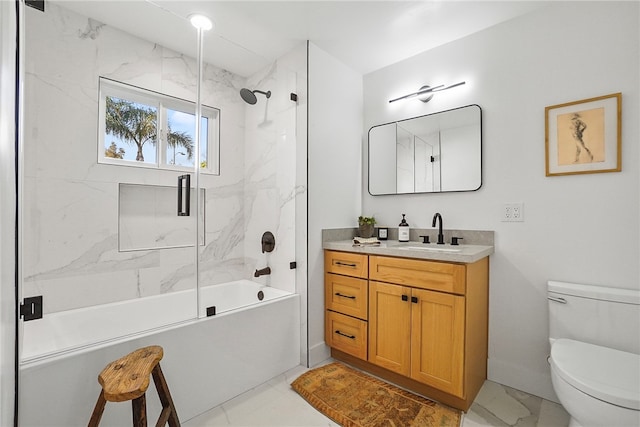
point(354, 399)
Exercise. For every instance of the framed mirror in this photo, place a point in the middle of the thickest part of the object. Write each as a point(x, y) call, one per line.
point(440, 152)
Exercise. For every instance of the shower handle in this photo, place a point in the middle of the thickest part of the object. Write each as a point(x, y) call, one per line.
point(184, 195)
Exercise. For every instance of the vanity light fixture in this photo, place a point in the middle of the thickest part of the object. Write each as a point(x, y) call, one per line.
point(426, 92)
point(201, 22)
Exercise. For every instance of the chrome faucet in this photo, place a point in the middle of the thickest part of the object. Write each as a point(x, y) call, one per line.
point(437, 217)
point(262, 272)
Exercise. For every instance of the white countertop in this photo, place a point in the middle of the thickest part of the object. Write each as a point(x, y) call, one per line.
point(430, 251)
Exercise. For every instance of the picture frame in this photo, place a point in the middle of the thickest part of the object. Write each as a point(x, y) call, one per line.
point(584, 136)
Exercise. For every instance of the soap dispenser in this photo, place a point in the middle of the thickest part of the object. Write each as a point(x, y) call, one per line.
point(403, 230)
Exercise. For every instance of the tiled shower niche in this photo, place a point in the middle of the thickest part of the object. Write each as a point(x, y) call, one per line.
point(148, 218)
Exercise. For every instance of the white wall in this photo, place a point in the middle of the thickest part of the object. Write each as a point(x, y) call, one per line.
point(7, 209)
point(581, 228)
point(335, 132)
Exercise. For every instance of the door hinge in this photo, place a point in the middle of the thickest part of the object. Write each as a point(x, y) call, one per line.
point(36, 4)
point(31, 308)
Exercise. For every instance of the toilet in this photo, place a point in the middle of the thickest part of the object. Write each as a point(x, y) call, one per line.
point(594, 334)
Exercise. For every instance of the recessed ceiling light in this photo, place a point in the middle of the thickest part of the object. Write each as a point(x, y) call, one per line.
point(201, 22)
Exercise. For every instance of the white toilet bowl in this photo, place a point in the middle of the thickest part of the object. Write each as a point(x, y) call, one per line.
point(598, 386)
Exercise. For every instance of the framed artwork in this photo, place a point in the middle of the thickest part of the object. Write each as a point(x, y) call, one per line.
point(584, 136)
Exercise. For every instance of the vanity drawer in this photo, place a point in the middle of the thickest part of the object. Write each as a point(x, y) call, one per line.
point(437, 276)
point(345, 263)
point(347, 295)
point(346, 334)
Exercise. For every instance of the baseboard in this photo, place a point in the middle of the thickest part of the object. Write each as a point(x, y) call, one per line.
point(318, 354)
point(521, 379)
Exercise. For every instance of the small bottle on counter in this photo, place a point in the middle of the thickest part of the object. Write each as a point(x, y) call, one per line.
point(403, 230)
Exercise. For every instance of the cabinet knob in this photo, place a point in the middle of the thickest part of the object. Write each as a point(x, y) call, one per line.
point(414, 300)
point(405, 298)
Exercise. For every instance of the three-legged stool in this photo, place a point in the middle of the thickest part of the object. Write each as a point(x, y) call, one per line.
point(128, 379)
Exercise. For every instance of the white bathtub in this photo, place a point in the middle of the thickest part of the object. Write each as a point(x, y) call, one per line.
point(237, 295)
point(206, 361)
point(76, 330)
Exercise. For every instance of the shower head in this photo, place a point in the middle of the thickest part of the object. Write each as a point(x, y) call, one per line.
point(249, 96)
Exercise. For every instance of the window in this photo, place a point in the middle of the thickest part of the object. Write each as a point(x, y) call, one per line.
point(142, 128)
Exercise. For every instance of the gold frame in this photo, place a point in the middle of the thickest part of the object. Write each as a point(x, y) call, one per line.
point(570, 150)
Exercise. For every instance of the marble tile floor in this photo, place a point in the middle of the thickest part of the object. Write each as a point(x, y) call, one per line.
point(275, 404)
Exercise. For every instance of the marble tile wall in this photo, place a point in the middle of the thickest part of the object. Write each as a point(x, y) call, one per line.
point(70, 202)
point(270, 185)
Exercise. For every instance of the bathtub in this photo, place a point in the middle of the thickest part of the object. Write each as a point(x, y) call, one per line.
point(76, 330)
point(206, 361)
point(236, 295)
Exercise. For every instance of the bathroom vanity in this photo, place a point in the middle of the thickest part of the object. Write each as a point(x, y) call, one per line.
point(416, 315)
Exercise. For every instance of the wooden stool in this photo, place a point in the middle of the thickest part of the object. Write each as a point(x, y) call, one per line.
point(128, 379)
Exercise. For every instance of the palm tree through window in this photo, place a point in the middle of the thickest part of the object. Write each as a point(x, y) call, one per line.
point(149, 129)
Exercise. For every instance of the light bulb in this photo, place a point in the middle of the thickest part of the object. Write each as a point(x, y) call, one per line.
point(201, 22)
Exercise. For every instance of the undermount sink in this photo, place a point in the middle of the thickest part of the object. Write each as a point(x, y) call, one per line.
point(428, 248)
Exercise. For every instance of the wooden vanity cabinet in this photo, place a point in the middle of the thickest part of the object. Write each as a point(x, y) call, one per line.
point(418, 334)
point(346, 302)
point(427, 325)
point(421, 317)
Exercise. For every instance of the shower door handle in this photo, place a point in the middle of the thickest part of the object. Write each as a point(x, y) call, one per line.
point(184, 195)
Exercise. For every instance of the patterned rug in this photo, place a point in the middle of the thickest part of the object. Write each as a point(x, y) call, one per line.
point(354, 399)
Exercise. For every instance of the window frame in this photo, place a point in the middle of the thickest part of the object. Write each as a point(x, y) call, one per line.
point(162, 102)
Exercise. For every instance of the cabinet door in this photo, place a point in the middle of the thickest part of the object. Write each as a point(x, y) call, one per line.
point(390, 326)
point(437, 346)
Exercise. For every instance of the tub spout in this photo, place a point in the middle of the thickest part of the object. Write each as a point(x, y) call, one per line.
point(262, 272)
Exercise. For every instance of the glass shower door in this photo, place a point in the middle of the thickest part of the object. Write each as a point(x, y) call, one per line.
point(108, 208)
point(258, 186)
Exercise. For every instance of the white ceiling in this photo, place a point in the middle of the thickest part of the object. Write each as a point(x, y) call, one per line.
point(249, 35)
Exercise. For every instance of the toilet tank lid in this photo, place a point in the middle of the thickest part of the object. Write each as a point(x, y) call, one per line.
point(628, 296)
point(604, 373)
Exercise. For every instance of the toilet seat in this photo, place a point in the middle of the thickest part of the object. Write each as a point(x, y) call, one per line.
point(610, 375)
